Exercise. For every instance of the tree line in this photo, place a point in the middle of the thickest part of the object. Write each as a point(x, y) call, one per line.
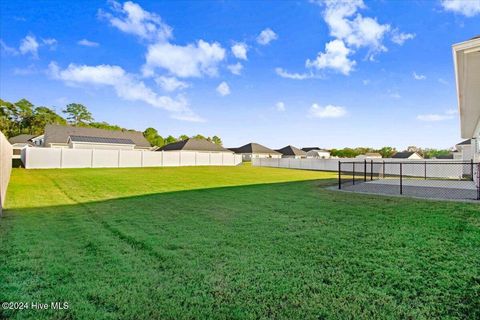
point(388, 152)
point(23, 117)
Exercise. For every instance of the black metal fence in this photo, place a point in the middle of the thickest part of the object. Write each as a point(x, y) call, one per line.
point(426, 179)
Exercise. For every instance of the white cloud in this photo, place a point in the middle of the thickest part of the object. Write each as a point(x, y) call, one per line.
point(443, 81)
point(335, 57)
point(126, 86)
point(294, 76)
point(133, 19)
point(328, 111)
point(7, 50)
point(395, 95)
point(280, 106)
point(31, 69)
point(239, 50)
point(223, 89)
point(400, 37)
point(50, 42)
point(88, 43)
point(434, 117)
point(468, 8)
point(235, 68)
point(29, 45)
point(419, 76)
point(170, 83)
point(366, 82)
point(193, 60)
point(266, 36)
point(355, 30)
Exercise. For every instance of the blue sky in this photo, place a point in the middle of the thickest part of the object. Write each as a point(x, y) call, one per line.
point(306, 73)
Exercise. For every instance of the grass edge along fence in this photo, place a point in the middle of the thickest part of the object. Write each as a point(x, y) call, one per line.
point(438, 179)
point(5, 167)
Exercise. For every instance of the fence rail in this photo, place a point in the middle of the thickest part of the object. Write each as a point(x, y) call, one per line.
point(50, 158)
point(439, 179)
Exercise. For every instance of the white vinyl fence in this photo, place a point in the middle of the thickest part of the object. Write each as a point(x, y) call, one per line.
point(46, 158)
point(5, 167)
point(414, 168)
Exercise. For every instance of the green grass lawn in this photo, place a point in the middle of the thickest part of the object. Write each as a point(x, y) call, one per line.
point(232, 242)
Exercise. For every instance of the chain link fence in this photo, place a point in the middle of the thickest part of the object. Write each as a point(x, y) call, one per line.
point(425, 179)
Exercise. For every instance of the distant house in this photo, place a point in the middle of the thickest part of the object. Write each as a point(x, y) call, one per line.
point(407, 155)
point(255, 150)
point(292, 152)
point(19, 142)
point(193, 144)
point(369, 155)
point(317, 153)
point(465, 149)
point(57, 136)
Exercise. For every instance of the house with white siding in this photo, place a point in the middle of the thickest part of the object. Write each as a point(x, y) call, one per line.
point(466, 57)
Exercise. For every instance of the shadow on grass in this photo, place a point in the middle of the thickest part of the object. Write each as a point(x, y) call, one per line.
point(283, 250)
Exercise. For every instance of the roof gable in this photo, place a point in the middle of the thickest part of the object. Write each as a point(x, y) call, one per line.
point(291, 151)
point(254, 148)
point(404, 155)
point(21, 138)
point(193, 144)
point(60, 134)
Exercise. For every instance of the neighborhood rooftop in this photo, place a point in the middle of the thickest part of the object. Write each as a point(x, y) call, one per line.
point(291, 151)
point(100, 140)
point(403, 155)
point(254, 148)
point(60, 134)
point(21, 138)
point(193, 144)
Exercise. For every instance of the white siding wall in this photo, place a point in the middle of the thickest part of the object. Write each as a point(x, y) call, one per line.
point(39, 158)
point(409, 167)
point(5, 167)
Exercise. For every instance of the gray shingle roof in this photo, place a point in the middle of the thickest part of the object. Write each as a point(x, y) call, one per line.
point(193, 144)
point(403, 155)
point(306, 149)
point(21, 138)
point(60, 134)
point(291, 151)
point(254, 148)
point(465, 142)
point(100, 140)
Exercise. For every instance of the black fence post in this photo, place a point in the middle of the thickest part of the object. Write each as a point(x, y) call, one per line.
point(471, 169)
point(425, 170)
point(401, 178)
point(354, 172)
point(383, 168)
point(477, 183)
point(365, 170)
point(371, 169)
point(339, 174)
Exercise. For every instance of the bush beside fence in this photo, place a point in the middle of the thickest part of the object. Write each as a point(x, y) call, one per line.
point(50, 158)
point(5, 167)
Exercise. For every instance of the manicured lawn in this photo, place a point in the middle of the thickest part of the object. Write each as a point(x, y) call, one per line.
point(226, 243)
